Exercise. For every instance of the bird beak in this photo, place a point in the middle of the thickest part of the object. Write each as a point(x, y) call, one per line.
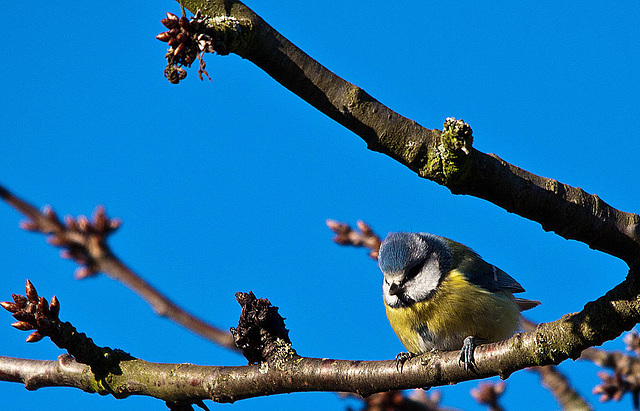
point(394, 289)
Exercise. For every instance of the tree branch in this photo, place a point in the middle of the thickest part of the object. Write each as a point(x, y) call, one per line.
point(85, 242)
point(281, 370)
point(445, 157)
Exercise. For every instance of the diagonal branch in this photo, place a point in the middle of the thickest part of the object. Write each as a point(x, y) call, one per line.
point(86, 244)
point(445, 157)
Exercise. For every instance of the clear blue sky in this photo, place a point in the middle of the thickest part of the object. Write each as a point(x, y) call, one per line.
point(225, 186)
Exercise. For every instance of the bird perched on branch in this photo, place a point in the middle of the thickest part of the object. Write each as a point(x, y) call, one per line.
point(440, 295)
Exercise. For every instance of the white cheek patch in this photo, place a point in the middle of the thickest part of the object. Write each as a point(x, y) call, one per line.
point(423, 284)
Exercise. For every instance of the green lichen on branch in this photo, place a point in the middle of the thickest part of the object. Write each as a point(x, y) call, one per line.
point(450, 160)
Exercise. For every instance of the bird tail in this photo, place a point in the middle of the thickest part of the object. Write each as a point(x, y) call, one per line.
point(524, 304)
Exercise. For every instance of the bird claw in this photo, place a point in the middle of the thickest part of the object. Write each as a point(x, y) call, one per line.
point(401, 358)
point(466, 353)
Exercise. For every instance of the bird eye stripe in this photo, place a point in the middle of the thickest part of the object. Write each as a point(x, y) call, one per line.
point(413, 271)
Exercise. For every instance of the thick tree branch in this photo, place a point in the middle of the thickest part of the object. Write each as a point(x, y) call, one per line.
point(85, 242)
point(445, 157)
point(281, 370)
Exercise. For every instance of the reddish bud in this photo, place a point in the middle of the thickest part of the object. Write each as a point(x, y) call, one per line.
point(32, 294)
point(66, 254)
point(115, 223)
point(20, 300)
point(22, 326)
point(170, 22)
point(43, 306)
point(364, 227)
point(179, 49)
point(70, 222)
point(55, 241)
point(34, 337)
point(11, 307)
point(83, 223)
point(173, 41)
point(83, 272)
point(164, 36)
point(48, 211)
point(99, 215)
point(55, 307)
point(184, 23)
point(28, 225)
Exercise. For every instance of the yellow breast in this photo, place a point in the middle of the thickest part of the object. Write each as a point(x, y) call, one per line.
point(456, 310)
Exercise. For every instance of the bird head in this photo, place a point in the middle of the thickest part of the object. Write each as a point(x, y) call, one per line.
point(412, 265)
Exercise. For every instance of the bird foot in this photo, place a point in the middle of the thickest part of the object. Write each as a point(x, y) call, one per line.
point(401, 358)
point(466, 353)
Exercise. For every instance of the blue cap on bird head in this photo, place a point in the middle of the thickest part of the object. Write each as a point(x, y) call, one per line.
point(401, 250)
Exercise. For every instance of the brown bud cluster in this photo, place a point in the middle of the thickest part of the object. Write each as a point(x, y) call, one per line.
point(188, 40)
point(33, 313)
point(488, 393)
point(365, 237)
point(612, 387)
point(81, 238)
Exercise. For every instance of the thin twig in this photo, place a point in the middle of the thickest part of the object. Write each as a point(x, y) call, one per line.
point(85, 243)
point(364, 237)
point(561, 389)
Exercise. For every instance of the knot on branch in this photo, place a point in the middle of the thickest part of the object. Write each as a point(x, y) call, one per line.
point(261, 334)
point(84, 240)
point(457, 135)
point(454, 152)
point(35, 313)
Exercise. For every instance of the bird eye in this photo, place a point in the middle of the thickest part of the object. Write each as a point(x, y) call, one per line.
point(413, 271)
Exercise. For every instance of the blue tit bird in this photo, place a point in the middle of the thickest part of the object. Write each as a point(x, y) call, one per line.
point(441, 295)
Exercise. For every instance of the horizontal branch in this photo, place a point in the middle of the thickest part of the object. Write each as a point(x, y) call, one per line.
point(281, 370)
point(442, 156)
